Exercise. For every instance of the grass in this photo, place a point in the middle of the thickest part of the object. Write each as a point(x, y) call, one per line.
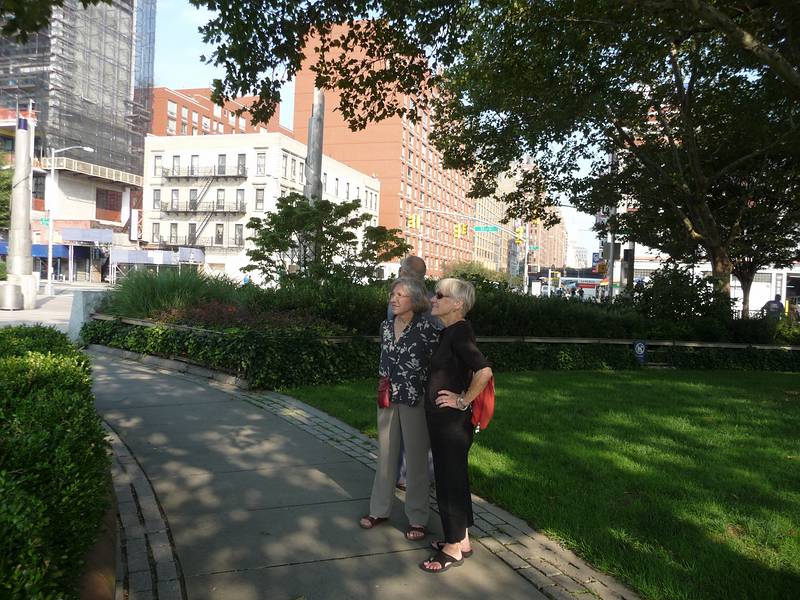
point(683, 484)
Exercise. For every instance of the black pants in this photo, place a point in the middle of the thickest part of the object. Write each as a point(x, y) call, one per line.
point(451, 435)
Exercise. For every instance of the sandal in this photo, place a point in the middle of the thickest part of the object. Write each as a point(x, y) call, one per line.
point(439, 545)
point(373, 521)
point(445, 560)
point(415, 533)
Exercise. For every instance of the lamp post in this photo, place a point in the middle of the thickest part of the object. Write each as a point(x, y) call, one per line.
point(50, 211)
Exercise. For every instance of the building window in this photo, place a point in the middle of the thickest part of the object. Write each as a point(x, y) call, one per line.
point(302, 173)
point(347, 190)
point(176, 165)
point(221, 159)
point(174, 200)
point(259, 198)
point(325, 182)
point(232, 119)
point(156, 199)
point(194, 117)
point(108, 205)
point(261, 163)
point(172, 108)
point(239, 199)
point(194, 164)
point(206, 123)
point(192, 199)
point(170, 125)
point(336, 187)
point(219, 235)
point(156, 237)
point(217, 111)
point(184, 128)
point(184, 112)
point(173, 233)
point(220, 128)
point(191, 239)
point(285, 165)
point(220, 199)
point(241, 164)
point(194, 130)
point(157, 165)
point(294, 169)
point(242, 123)
point(239, 234)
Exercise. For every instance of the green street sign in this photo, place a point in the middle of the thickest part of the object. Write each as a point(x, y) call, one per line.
point(534, 248)
point(44, 221)
point(486, 228)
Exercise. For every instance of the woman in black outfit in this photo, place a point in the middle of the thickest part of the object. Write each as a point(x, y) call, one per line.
point(459, 373)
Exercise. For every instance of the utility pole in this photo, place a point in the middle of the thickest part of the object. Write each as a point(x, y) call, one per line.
point(313, 186)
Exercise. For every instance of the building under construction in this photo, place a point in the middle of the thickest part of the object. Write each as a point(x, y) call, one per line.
point(89, 75)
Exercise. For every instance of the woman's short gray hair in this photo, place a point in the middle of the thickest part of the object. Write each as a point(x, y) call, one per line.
point(458, 289)
point(416, 289)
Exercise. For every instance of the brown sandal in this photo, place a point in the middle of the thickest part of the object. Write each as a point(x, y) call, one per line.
point(373, 521)
point(414, 533)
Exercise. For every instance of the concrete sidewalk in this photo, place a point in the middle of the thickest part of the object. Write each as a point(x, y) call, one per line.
point(241, 495)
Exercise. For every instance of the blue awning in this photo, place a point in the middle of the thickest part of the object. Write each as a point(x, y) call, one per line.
point(40, 250)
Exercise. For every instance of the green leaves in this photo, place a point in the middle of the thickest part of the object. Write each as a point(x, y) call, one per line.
point(320, 241)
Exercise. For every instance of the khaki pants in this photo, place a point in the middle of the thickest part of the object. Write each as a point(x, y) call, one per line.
point(397, 422)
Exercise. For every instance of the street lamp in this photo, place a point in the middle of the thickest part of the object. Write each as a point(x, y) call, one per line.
point(50, 211)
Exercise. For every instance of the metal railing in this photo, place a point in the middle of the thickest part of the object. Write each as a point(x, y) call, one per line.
point(213, 206)
point(200, 242)
point(216, 171)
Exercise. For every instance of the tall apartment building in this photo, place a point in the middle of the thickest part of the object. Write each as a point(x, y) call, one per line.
point(191, 112)
point(552, 245)
point(200, 193)
point(88, 76)
point(418, 196)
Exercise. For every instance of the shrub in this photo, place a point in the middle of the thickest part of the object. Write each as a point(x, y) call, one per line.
point(3, 270)
point(53, 464)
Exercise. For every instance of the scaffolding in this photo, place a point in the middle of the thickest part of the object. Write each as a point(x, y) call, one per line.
point(90, 74)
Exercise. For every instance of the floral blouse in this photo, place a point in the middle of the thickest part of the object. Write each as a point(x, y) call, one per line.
point(407, 361)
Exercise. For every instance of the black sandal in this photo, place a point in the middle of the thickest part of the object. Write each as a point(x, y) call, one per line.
point(439, 545)
point(445, 560)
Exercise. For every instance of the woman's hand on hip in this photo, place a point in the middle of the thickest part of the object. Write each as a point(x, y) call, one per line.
point(447, 399)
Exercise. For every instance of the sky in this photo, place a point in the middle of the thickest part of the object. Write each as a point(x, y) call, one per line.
point(177, 65)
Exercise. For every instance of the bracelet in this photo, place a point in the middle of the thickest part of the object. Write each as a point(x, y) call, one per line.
point(460, 402)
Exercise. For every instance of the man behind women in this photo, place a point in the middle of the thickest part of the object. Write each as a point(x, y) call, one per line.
point(459, 372)
point(407, 342)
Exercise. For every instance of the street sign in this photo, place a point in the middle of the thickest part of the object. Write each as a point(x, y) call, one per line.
point(534, 247)
point(487, 228)
point(640, 351)
point(44, 221)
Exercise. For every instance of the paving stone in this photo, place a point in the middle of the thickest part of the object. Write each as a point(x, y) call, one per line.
point(161, 553)
point(149, 509)
point(502, 537)
point(492, 518)
point(513, 560)
point(138, 561)
point(165, 570)
point(141, 595)
point(493, 545)
point(169, 590)
point(558, 593)
point(537, 578)
point(568, 584)
point(158, 539)
point(129, 516)
point(615, 591)
point(139, 582)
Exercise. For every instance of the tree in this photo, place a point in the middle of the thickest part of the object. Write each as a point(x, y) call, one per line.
point(6, 181)
point(21, 18)
point(284, 240)
point(558, 81)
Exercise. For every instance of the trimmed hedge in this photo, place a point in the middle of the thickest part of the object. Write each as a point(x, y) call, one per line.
point(53, 464)
point(293, 357)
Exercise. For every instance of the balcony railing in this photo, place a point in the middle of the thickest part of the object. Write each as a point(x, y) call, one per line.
point(200, 242)
point(209, 206)
point(217, 171)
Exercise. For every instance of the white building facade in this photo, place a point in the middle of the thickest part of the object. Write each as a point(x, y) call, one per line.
point(200, 192)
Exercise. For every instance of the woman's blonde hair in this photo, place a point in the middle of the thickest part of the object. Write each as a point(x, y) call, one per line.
point(458, 289)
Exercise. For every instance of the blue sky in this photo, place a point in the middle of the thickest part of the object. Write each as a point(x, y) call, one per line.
point(177, 65)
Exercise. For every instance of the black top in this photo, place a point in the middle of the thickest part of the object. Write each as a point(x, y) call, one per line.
point(405, 361)
point(454, 361)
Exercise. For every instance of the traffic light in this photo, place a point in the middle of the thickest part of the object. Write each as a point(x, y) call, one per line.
point(414, 221)
point(519, 235)
point(459, 229)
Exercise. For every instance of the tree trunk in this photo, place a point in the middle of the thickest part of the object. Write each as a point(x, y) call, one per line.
point(747, 282)
point(721, 268)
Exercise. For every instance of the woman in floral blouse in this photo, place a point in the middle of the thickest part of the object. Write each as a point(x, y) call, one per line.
point(407, 342)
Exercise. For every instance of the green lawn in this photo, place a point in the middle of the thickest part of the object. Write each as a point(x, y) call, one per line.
point(683, 484)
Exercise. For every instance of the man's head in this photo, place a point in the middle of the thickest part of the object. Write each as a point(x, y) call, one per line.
point(777, 297)
point(412, 266)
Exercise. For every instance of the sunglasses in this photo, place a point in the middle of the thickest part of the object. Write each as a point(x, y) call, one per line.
point(440, 295)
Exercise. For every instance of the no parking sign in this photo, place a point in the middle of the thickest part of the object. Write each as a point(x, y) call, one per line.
point(640, 351)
